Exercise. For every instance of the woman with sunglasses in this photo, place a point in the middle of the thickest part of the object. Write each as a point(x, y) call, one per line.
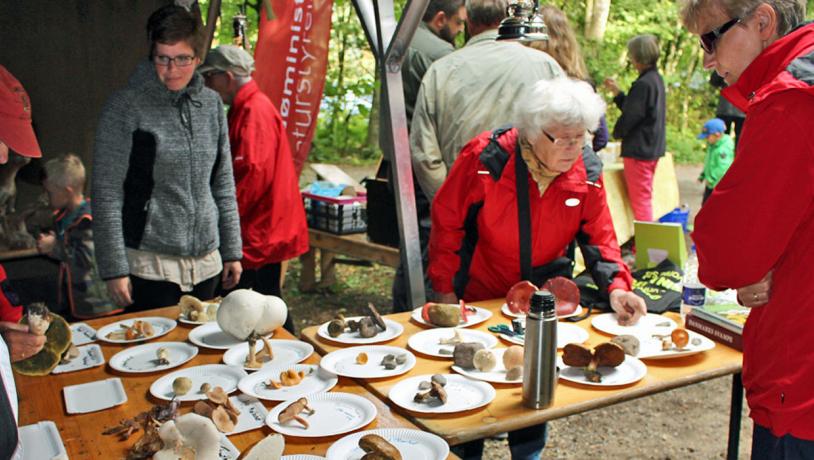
point(165, 215)
point(641, 126)
point(756, 231)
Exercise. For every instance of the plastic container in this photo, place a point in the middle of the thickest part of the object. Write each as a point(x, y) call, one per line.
point(679, 215)
point(341, 215)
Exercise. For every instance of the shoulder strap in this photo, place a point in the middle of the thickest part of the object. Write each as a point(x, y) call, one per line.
point(593, 164)
point(493, 157)
point(521, 173)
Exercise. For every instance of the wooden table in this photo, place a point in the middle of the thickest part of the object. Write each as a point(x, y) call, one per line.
point(506, 413)
point(41, 399)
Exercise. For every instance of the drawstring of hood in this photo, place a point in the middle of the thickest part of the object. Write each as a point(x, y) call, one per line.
point(182, 103)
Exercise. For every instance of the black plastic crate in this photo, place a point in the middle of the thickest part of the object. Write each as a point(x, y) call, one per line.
point(339, 216)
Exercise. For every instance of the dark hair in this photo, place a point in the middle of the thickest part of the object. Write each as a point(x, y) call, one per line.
point(172, 24)
point(448, 7)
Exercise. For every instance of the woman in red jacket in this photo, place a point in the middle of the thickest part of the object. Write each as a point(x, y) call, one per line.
point(514, 201)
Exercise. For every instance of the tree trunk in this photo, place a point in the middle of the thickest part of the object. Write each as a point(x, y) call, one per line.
point(373, 127)
point(589, 15)
point(599, 20)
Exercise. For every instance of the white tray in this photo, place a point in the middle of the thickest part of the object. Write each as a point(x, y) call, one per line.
point(211, 336)
point(317, 380)
point(630, 371)
point(216, 375)
point(161, 326)
point(566, 333)
point(478, 316)
point(496, 375)
point(89, 356)
point(81, 334)
point(426, 341)
point(301, 457)
point(464, 394)
point(394, 329)
point(411, 444)
point(647, 325)
point(335, 413)
point(343, 362)
point(252, 413)
point(143, 358)
point(650, 347)
point(286, 353)
point(505, 310)
point(41, 441)
point(94, 396)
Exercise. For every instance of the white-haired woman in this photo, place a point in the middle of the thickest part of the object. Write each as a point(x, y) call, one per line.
point(514, 201)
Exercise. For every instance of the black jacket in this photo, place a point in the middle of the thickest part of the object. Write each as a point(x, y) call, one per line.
point(641, 127)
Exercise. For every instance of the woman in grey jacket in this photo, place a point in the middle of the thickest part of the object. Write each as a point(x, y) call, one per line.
point(165, 215)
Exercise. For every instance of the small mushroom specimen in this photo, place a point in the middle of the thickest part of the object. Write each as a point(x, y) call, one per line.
point(442, 314)
point(219, 408)
point(162, 357)
point(181, 386)
point(367, 328)
point(605, 354)
point(256, 359)
point(439, 379)
point(484, 360)
point(680, 338)
point(454, 340)
point(361, 358)
point(288, 378)
point(39, 318)
point(189, 436)
point(629, 343)
point(70, 354)
point(389, 362)
point(513, 357)
point(192, 308)
point(515, 373)
point(205, 387)
point(378, 448)
point(376, 317)
point(464, 353)
point(292, 412)
point(336, 327)
point(436, 392)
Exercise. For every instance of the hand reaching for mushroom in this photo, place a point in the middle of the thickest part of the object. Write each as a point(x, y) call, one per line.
point(628, 307)
point(756, 295)
point(21, 343)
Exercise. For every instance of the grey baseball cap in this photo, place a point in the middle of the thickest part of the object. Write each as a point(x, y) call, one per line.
point(228, 58)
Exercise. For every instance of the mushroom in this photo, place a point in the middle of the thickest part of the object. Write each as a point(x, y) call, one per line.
point(218, 396)
point(389, 362)
point(576, 355)
point(270, 448)
point(401, 359)
point(464, 353)
point(292, 412)
point(454, 340)
point(291, 377)
point(436, 391)
point(162, 357)
point(439, 379)
point(39, 318)
point(205, 387)
point(336, 327)
point(367, 328)
point(203, 408)
point(629, 343)
point(605, 354)
point(484, 360)
point(248, 315)
point(181, 386)
point(513, 357)
point(442, 314)
point(378, 448)
point(515, 373)
point(189, 436)
point(192, 308)
point(376, 317)
point(680, 338)
point(223, 420)
point(255, 359)
point(70, 354)
point(361, 358)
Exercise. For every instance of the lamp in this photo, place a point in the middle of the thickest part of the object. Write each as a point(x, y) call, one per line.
point(523, 23)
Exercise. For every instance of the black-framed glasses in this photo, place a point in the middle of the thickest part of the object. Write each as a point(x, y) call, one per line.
point(179, 61)
point(709, 39)
point(563, 142)
point(211, 73)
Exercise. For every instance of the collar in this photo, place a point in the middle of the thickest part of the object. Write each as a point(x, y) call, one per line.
point(244, 94)
point(489, 35)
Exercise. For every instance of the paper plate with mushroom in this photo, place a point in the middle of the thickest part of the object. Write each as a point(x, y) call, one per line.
point(450, 315)
point(210, 335)
point(268, 353)
point(501, 365)
point(440, 342)
point(196, 311)
point(192, 383)
point(153, 357)
point(651, 323)
point(605, 365)
point(324, 414)
point(368, 361)
point(378, 443)
point(136, 329)
point(281, 383)
point(441, 393)
point(678, 343)
point(359, 330)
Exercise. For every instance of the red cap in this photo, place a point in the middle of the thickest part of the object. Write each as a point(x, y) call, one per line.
point(15, 117)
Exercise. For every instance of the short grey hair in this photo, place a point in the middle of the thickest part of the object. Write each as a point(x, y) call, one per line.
point(644, 49)
point(486, 12)
point(790, 13)
point(563, 101)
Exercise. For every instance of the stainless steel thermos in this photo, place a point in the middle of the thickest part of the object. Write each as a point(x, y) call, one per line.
point(540, 353)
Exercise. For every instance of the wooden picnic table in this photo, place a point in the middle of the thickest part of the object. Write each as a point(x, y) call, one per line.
point(41, 399)
point(506, 413)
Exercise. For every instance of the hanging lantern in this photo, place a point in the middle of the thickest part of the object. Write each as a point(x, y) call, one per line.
point(523, 23)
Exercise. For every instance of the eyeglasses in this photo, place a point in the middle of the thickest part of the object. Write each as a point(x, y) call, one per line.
point(563, 142)
point(179, 61)
point(211, 73)
point(709, 39)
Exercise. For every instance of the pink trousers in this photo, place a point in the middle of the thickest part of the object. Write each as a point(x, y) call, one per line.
point(639, 180)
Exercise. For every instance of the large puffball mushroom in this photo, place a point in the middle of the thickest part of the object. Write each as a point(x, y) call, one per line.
point(270, 448)
point(243, 313)
point(189, 436)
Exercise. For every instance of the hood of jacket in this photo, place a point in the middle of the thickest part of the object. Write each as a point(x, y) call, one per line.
point(145, 80)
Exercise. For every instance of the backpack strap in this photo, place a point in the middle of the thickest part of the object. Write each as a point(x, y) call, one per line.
point(493, 157)
point(521, 173)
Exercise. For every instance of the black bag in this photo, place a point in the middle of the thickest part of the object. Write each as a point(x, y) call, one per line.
point(660, 287)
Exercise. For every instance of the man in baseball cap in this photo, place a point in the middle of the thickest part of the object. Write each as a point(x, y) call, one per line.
point(16, 133)
point(226, 69)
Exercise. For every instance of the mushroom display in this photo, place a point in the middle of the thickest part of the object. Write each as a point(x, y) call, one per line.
point(513, 357)
point(629, 343)
point(219, 408)
point(248, 315)
point(162, 357)
point(445, 314)
point(189, 436)
point(378, 448)
point(181, 386)
point(57, 341)
point(195, 310)
point(484, 360)
point(293, 411)
point(606, 354)
point(464, 354)
point(436, 392)
point(288, 378)
point(565, 291)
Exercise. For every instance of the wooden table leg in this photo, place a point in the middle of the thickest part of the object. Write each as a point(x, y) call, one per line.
point(308, 279)
point(735, 409)
point(327, 268)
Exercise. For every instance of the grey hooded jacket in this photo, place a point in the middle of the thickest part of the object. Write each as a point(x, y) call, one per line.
point(162, 174)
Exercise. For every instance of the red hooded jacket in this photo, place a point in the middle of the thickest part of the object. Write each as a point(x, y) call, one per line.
point(571, 207)
point(760, 218)
point(9, 308)
point(272, 217)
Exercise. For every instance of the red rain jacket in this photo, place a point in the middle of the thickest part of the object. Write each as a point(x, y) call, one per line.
point(9, 310)
point(571, 207)
point(272, 217)
point(761, 217)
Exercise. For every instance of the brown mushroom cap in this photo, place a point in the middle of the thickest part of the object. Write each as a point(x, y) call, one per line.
point(439, 392)
point(378, 447)
point(218, 396)
point(203, 408)
point(223, 420)
point(680, 337)
point(376, 317)
point(609, 354)
point(576, 355)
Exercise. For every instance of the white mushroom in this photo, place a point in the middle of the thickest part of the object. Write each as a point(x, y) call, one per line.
point(189, 436)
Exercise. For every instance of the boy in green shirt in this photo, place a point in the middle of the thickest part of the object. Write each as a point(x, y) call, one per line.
point(720, 153)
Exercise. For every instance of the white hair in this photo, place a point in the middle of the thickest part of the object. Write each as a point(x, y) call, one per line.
point(564, 102)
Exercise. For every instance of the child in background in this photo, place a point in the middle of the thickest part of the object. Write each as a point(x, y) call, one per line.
point(720, 154)
point(82, 294)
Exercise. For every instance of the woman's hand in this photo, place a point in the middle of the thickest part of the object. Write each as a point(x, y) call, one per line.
point(21, 343)
point(446, 297)
point(756, 295)
point(120, 290)
point(611, 85)
point(46, 243)
point(628, 307)
point(231, 274)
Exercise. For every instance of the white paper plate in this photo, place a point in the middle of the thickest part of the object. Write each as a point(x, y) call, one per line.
point(426, 341)
point(496, 375)
point(89, 356)
point(566, 333)
point(185, 320)
point(161, 326)
point(216, 375)
point(464, 394)
point(650, 347)
point(630, 371)
point(335, 413)
point(317, 380)
point(301, 457)
point(343, 362)
point(412, 444)
point(81, 334)
point(227, 451)
point(505, 310)
point(143, 358)
point(393, 330)
point(252, 413)
point(94, 396)
point(211, 336)
point(286, 353)
point(41, 441)
point(478, 316)
point(647, 325)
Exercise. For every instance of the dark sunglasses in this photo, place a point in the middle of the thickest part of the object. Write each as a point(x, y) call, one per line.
point(709, 39)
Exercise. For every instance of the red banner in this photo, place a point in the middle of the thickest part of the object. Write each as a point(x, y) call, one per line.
point(291, 58)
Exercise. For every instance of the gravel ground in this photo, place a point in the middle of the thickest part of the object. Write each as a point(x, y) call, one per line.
point(691, 422)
